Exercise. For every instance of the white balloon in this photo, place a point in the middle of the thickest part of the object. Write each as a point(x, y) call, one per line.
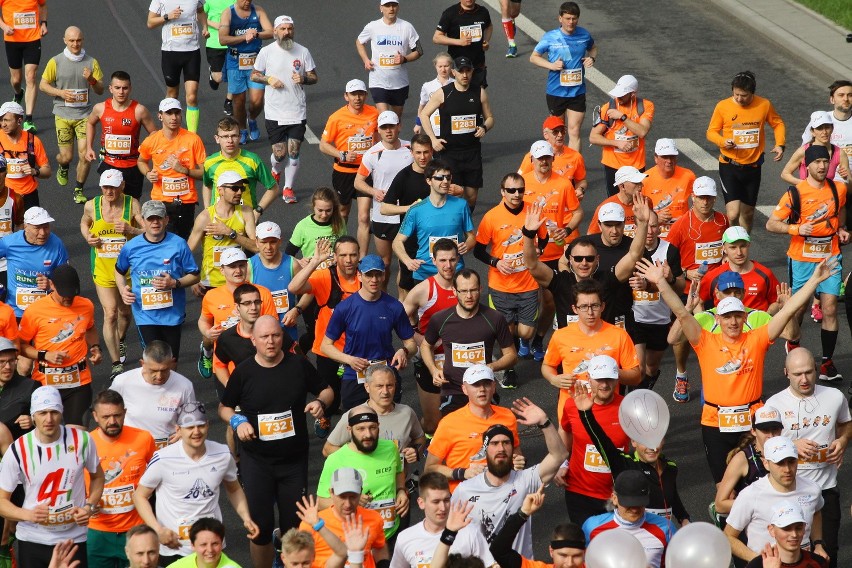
point(616, 548)
point(644, 417)
point(698, 545)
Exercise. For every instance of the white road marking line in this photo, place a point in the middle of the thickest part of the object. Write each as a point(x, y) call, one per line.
point(766, 209)
point(693, 151)
point(310, 136)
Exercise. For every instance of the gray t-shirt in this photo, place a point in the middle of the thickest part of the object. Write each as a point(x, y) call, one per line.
point(400, 425)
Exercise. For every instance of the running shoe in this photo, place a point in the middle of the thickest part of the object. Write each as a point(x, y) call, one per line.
point(538, 349)
point(29, 126)
point(117, 369)
point(79, 197)
point(19, 97)
point(214, 84)
point(288, 195)
point(828, 372)
point(243, 137)
point(816, 312)
point(322, 427)
point(254, 130)
point(205, 363)
point(681, 390)
point(523, 348)
point(507, 379)
point(789, 346)
point(62, 175)
point(512, 52)
point(229, 107)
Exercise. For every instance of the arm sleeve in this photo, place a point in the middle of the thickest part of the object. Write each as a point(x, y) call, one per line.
point(617, 460)
point(502, 543)
point(678, 508)
point(480, 252)
point(291, 249)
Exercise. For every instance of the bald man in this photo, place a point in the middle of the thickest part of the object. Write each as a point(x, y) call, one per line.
point(818, 421)
point(70, 78)
point(271, 390)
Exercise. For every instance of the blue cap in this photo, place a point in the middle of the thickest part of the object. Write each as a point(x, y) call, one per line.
point(370, 263)
point(728, 280)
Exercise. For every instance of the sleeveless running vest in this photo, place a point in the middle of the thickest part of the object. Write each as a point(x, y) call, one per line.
point(214, 245)
point(242, 55)
point(104, 256)
point(120, 138)
point(460, 114)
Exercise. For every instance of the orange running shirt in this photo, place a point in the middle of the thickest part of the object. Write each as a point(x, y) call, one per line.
point(123, 460)
point(8, 323)
point(670, 195)
point(53, 327)
point(569, 164)
point(320, 282)
point(817, 207)
point(373, 523)
point(635, 155)
point(501, 230)
point(218, 305)
point(351, 133)
point(25, 17)
point(698, 241)
point(171, 184)
point(744, 125)
point(16, 158)
point(458, 440)
point(560, 203)
point(570, 351)
point(731, 377)
point(629, 217)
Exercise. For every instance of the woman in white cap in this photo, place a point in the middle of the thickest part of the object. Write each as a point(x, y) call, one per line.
point(821, 127)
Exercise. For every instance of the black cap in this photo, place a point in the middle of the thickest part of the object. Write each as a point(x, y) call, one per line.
point(496, 430)
point(631, 488)
point(462, 62)
point(816, 152)
point(66, 281)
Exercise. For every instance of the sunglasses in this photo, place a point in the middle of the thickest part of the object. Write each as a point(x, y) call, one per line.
point(447, 177)
point(192, 407)
point(513, 190)
point(580, 258)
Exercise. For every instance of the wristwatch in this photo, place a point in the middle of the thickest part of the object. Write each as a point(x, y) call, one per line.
point(93, 508)
point(623, 117)
point(259, 210)
point(165, 17)
point(232, 235)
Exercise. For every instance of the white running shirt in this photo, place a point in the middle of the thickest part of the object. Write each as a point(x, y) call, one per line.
point(415, 546)
point(386, 41)
point(285, 105)
point(181, 34)
point(383, 165)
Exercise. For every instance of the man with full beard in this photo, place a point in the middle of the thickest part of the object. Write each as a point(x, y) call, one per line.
point(500, 489)
point(378, 462)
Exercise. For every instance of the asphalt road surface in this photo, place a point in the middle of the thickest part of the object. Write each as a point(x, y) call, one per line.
point(683, 53)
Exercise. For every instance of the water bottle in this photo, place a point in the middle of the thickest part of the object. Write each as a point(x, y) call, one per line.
point(702, 270)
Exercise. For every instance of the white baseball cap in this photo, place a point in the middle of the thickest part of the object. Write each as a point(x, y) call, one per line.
point(779, 448)
point(603, 367)
point(476, 373)
point(346, 480)
point(387, 117)
point(267, 230)
point(37, 216)
point(229, 177)
point(728, 305)
point(786, 513)
point(628, 173)
point(12, 107)
point(390, 2)
point(541, 148)
point(611, 212)
point(356, 85)
point(820, 118)
point(665, 147)
point(232, 255)
point(170, 104)
point(282, 20)
point(734, 234)
point(112, 178)
point(45, 398)
point(704, 186)
point(626, 84)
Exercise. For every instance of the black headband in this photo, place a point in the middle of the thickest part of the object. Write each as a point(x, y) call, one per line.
point(362, 417)
point(496, 430)
point(567, 543)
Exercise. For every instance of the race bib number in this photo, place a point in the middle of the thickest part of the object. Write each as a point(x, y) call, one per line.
point(593, 460)
point(153, 299)
point(734, 419)
point(81, 98)
point(24, 20)
point(433, 240)
point(473, 31)
point(58, 518)
point(468, 354)
point(217, 255)
point(246, 61)
point(15, 168)
point(26, 296)
point(817, 461)
point(362, 375)
point(817, 247)
point(632, 138)
point(117, 500)
point(386, 61)
point(182, 30)
point(161, 443)
point(708, 252)
point(516, 261)
point(386, 508)
point(111, 247)
point(746, 137)
point(275, 426)
point(630, 230)
point(175, 186)
point(281, 300)
point(183, 528)
point(619, 321)
point(5, 227)
point(118, 144)
point(644, 297)
point(358, 144)
point(463, 123)
point(62, 377)
point(848, 150)
point(571, 77)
